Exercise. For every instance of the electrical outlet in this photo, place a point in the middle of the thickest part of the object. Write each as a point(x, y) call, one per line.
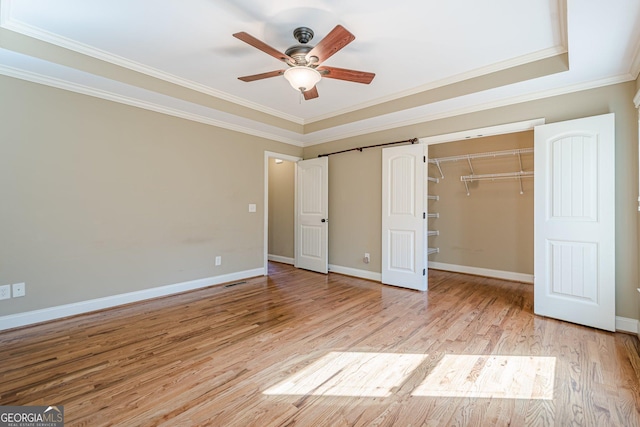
point(5, 291)
point(367, 258)
point(19, 289)
point(218, 260)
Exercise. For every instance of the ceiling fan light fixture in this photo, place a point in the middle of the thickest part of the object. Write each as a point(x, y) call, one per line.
point(302, 78)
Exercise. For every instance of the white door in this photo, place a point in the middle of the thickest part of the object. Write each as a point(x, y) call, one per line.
point(403, 216)
point(575, 221)
point(312, 209)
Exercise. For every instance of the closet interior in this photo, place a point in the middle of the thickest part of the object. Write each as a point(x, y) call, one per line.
point(480, 204)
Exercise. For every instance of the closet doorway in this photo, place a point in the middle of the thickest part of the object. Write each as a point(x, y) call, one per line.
point(574, 219)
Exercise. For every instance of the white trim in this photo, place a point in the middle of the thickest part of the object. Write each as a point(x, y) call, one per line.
point(146, 105)
point(267, 156)
point(481, 132)
point(308, 140)
point(564, 27)
point(362, 274)
point(498, 274)
point(58, 40)
point(635, 61)
point(459, 78)
point(58, 312)
point(367, 127)
point(624, 324)
point(282, 259)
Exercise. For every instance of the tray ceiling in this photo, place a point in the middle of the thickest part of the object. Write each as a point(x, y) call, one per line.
point(431, 58)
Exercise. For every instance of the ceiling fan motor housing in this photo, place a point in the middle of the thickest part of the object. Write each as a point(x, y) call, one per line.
point(299, 53)
point(303, 34)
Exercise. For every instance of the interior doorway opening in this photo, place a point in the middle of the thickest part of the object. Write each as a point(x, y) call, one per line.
point(279, 208)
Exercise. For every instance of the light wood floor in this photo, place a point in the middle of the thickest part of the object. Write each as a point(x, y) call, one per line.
point(304, 349)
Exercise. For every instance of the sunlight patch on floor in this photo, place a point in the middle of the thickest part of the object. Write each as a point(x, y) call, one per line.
point(482, 376)
point(351, 374)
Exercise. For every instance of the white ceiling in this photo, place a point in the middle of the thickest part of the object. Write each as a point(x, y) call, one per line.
point(412, 46)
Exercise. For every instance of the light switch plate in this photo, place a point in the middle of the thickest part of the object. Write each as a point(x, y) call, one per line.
point(5, 291)
point(252, 207)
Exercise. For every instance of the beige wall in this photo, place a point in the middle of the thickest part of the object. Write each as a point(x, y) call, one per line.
point(355, 212)
point(615, 98)
point(281, 208)
point(493, 226)
point(98, 198)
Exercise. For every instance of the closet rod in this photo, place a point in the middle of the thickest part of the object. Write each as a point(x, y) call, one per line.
point(481, 155)
point(496, 176)
point(412, 141)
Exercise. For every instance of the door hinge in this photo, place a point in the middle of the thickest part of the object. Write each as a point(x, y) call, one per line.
point(424, 215)
point(424, 159)
point(424, 272)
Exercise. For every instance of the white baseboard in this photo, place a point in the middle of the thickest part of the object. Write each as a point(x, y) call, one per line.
point(498, 274)
point(624, 324)
point(363, 274)
point(46, 314)
point(282, 259)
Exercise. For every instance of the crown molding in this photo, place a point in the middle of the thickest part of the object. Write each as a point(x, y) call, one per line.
point(532, 96)
point(635, 61)
point(340, 132)
point(478, 72)
point(562, 21)
point(363, 127)
point(28, 30)
point(146, 105)
point(25, 29)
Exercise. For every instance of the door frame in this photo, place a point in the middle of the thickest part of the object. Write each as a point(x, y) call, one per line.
point(269, 155)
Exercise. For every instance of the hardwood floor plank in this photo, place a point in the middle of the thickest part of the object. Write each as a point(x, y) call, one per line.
point(227, 356)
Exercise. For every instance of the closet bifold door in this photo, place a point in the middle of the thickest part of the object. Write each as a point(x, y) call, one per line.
point(404, 243)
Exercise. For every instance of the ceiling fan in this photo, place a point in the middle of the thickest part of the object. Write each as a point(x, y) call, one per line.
point(305, 61)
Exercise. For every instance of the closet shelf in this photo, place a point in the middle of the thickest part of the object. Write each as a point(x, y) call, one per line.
point(496, 177)
point(429, 197)
point(432, 251)
point(433, 215)
point(481, 155)
point(433, 233)
point(432, 179)
point(468, 157)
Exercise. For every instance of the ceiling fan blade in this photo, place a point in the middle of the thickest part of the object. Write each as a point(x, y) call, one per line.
point(311, 93)
point(338, 38)
point(261, 76)
point(346, 74)
point(258, 44)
